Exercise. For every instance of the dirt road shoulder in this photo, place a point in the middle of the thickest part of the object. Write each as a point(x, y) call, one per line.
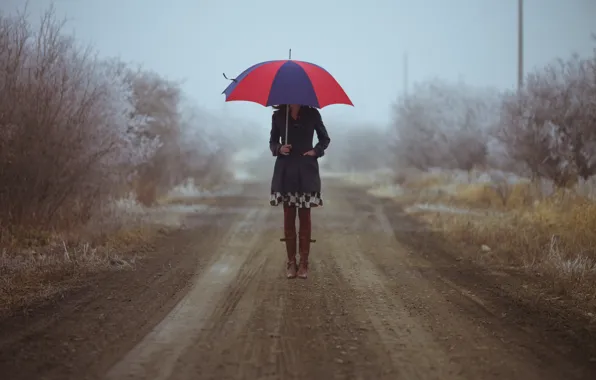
point(92, 326)
point(515, 299)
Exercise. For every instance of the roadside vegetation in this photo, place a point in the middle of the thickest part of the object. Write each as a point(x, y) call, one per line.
point(509, 176)
point(89, 150)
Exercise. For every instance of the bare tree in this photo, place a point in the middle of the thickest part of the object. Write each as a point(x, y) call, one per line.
point(77, 131)
point(59, 123)
point(550, 126)
point(357, 147)
point(444, 125)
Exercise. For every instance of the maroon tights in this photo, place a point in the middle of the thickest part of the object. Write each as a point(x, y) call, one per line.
point(290, 222)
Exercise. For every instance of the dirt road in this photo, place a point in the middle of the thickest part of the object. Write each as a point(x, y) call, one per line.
point(381, 303)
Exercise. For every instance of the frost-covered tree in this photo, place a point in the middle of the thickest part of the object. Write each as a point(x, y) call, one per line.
point(63, 125)
point(444, 125)
point(551, 125)
point(77, 131)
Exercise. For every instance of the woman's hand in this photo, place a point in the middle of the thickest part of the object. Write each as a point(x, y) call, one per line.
point(285, 149)
point(311, 153)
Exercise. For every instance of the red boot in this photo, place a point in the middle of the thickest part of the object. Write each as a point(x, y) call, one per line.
point(290, 238)
point(304, 241)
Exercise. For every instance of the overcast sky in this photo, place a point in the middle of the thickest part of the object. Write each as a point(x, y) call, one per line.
point(362, 43)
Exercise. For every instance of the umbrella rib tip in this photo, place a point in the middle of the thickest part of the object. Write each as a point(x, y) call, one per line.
point(233, 79)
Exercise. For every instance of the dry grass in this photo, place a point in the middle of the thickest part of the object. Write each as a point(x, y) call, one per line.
point(554, 236)
point(486, 195)
point(37, 265)
point(43, 270)
point(422, 182)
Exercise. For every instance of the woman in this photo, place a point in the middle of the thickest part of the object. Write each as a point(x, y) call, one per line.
point(296, 182)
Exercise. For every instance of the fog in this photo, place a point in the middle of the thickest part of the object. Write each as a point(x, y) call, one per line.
point(365, 45)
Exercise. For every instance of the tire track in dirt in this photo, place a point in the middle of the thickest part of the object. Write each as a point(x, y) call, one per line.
point(230, 346)
point(325, 329)
point(224, 345)
point(82, 335)
point(371, 309)
point(468, 329)
point(260, 347)
point(331, 333)
point(480, 298)
point(413, 352)
point(288, 329)
point(322, 331)
point(155, 356)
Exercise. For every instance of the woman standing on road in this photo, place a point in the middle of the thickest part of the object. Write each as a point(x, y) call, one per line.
point(296, 182)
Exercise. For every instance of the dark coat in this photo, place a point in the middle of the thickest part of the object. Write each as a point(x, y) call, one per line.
point(296, 172)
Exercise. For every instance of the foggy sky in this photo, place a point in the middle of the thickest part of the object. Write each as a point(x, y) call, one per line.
point(361, 43)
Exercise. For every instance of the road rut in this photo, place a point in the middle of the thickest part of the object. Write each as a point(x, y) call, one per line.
point(371, 309)
point(383, 301)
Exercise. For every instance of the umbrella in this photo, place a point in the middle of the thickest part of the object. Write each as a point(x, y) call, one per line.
point(286, 82)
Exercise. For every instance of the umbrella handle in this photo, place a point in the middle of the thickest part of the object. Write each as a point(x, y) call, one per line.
point(287, 122)
point(288, 107)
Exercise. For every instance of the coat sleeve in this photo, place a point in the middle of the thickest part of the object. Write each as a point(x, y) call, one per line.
point(274, 139)
point(322, 135)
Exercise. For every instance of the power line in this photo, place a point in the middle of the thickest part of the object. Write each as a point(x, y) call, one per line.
point(520, 44)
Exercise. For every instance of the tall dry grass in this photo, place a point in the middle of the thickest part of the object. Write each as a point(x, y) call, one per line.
point(550, 233)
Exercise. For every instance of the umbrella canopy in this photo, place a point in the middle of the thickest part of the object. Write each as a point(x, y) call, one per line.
point(287, 82)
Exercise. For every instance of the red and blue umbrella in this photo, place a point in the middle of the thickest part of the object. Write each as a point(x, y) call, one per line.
point(287, 82)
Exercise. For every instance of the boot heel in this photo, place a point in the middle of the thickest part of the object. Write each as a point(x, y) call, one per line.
point(291, 266)
point(304, 251)
point(303, 270)
point(292, 270)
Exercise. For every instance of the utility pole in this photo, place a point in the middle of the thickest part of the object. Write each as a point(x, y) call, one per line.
point(520, 44)
point(405, 75)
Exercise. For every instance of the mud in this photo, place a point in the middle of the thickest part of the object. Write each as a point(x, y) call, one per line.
point(386, 299)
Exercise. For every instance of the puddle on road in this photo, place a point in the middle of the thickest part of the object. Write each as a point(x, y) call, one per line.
point(219, 268)
point(229, 210)
point(441, 208)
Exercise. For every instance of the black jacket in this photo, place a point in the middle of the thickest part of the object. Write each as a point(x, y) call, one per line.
point(296, 172)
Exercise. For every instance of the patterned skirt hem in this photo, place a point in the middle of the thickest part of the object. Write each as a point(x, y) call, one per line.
point(299, 200)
